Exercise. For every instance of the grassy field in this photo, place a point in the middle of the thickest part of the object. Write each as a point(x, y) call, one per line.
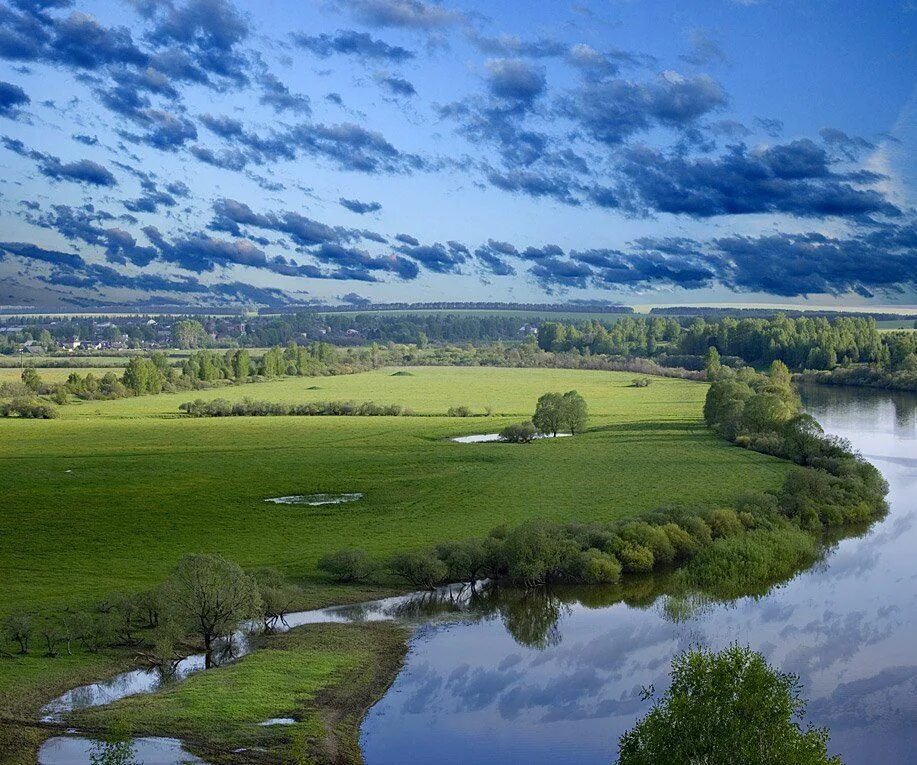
point(323, 676)
point(112, 494)
point(56, 374)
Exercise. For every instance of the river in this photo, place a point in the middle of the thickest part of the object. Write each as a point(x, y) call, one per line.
point(557, 677)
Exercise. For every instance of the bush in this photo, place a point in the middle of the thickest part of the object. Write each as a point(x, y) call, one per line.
point(537, 552)
point(29, 409)
point(651, 537)
point(640, 382)
point(459, 411)
point(600, 567)
point(636, 559)
point(724, 522)
point(518, 433)
point(349, 565)
point(419, 569)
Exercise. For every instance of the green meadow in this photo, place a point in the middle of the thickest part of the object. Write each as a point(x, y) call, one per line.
point(109, 496)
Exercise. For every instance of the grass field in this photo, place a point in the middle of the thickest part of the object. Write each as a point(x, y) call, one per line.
point(56, 374)
point(112, 494)
point(346, 666)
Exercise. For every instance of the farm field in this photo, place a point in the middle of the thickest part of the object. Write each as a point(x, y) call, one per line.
point(56, 374)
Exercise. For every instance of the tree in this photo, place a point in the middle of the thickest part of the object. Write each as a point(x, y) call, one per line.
point(420, 569)
point(19, 630)
point(30, 379)
point(349, 565)
point(712, 363)
point(725, 708)
point(209, 596)
point(574, 412)
point(188, 333)
point(548, 417)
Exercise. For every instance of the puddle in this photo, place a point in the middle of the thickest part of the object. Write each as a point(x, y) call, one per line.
point(314, 500)
point(484, 438)
point(278, 721)
point(66, 750)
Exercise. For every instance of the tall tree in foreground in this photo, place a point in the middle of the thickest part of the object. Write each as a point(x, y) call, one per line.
point(209, 596)
point(726, 708)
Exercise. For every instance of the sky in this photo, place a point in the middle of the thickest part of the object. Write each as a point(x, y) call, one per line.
point(220, 152)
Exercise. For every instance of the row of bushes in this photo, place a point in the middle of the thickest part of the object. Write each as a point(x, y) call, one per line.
point(865, 376)
point(220, 407)
point(543, 552)
point(29, 408)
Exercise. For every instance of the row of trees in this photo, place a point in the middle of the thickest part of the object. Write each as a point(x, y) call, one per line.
point(220, 407)
point(801, 343)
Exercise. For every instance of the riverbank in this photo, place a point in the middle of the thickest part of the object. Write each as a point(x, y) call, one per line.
point(317, 680)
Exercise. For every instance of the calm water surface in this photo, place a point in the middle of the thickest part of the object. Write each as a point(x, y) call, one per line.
point(512, 687)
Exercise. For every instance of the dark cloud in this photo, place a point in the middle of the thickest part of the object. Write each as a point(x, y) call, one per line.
point(397, 86)
point(443, 259)
point(349, 42)
point(407, 239)
point(513, 46)
point(406, 14)
point(792, 178)
point(535, 184)
point(277, 95)
point(81, 171)
point(12, 98)
point(492, 255)
point(33, 252)
point(514, 79)
point(355, 205)
point(614, 110)
point(773, 127)
point(849, 147)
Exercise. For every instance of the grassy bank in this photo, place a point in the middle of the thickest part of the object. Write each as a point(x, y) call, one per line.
point(323, 676)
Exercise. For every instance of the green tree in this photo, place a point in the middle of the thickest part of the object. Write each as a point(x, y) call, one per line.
point(549, 414)
point(188, 333)
point(241, 364)
point(712, 363)
point(30, 379)
point(574, 411)
point(726, 708)
point(209, 596)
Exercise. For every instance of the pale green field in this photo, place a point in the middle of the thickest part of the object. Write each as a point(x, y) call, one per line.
point(56, 374)
point(433, 390)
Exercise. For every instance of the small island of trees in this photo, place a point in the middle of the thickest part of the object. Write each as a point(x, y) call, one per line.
point(554, 413)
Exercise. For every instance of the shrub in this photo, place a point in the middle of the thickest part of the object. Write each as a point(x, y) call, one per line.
point(600, 567)
point(348, 565)
point(465, 561)
point(685, 546)
point(636, 559)
point(537, 552)
point(459, 411)
point(518, 433)
point(419, 569)
point(652, 537)
point(724, 522)
point(640, 382)
point(698, 528)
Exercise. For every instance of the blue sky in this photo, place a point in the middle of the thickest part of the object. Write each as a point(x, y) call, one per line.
point(215, 152)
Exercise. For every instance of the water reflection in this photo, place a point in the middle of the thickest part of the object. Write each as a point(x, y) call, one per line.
point(557, 676)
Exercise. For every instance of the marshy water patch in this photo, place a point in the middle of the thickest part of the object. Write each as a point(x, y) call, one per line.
point(485, 438)
point(313, 500)
point(277, 721)
point(67, 750)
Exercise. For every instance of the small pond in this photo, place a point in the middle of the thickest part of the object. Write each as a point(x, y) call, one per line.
point(314, 500)
point(485, 438)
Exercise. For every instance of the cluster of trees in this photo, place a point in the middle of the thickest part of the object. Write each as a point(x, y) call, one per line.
point(28, 408)
point(629, 336)
point(761, 412)
point(204, 601)
point(220, 407)
point(554, 412)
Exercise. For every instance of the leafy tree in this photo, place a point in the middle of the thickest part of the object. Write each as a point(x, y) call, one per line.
point(19, 630)
point(30, 379)
point(712, 363)
point(349, 565)
point(549, 413)
point(726, 708)
point(465, 560)
point(420, 569)
point(188, 333)
point(574, 411)
point(209, 596)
